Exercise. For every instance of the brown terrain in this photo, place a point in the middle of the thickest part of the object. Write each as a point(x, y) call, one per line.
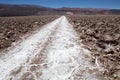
point(101, 34)
point(13, 28)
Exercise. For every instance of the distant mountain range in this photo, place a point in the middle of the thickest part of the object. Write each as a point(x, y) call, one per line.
point(28, 10)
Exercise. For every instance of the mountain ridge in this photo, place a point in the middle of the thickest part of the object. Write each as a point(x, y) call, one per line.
point(28, 10)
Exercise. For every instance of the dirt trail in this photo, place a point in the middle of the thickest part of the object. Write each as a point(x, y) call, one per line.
point(53, 53)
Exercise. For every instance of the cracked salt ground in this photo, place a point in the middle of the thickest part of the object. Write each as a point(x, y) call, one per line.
point(65, 62)
point(56, 55)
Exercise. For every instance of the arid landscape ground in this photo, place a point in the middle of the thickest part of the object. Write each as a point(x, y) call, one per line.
point(60, 48)
point(101, 34)
point(14, 28)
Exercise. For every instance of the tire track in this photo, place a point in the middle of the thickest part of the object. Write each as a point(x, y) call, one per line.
point(33, 65)
point(13, 62)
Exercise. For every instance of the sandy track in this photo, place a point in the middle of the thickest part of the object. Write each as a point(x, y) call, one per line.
point(53, 53)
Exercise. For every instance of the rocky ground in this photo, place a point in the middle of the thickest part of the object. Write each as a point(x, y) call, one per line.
point(13, 28)
point(101, 34)
point(54, 52)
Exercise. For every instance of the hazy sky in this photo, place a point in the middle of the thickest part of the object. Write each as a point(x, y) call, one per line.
point(69, 3)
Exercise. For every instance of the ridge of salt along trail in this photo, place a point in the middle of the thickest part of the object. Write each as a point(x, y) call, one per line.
point(68, 60)
point(26, 49)
point(53, 53)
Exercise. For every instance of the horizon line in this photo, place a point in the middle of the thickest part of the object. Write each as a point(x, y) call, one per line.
point(59, 7)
